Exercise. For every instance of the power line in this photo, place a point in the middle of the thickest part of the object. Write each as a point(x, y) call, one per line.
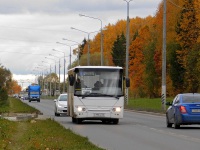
point(178, 6)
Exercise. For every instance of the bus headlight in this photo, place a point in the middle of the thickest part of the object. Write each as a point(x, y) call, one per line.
point(117, 109)
point(81, 108)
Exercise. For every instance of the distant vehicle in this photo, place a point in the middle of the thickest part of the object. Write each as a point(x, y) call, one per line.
point(96, 93)
point(61, 105)
point(25, 97)
point(34, 93)
point(15, 95)
point(184, 110)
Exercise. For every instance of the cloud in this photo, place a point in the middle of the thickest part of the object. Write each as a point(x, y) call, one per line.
point(65, 6)
point(29, 29)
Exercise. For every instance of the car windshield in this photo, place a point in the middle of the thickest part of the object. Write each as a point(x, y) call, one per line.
point(191, 99)
point(63, 98)
point(34, 92)
point(99, 82)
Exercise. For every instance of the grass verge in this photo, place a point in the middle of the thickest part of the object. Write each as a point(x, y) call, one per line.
point(37, 134)
point(146, 104)
point(40, 135)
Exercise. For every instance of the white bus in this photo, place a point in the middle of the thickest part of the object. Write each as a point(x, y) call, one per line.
point(96, 93)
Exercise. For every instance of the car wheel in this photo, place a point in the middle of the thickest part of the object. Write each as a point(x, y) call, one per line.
point(176, 125)
point(56, 114)
point(169, 125)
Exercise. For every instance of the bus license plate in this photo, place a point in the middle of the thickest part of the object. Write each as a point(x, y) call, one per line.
point(196, 110)
point(99, 115)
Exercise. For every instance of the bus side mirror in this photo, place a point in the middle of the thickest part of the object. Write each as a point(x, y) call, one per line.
point(127, 82)
point(71, 80)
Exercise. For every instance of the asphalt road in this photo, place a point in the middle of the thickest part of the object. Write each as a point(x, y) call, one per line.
point(136, 131)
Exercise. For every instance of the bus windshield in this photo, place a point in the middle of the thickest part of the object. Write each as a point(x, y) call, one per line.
point(98, 82)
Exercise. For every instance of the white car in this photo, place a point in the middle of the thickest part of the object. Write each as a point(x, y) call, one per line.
point(61, 105)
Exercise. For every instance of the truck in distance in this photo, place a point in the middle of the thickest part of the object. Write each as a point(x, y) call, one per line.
point(34, 93)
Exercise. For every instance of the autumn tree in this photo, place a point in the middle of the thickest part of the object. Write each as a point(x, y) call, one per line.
point(50, 80)
point(15, 87)
point(137, 62)
point(5, 83)
point(187, 34)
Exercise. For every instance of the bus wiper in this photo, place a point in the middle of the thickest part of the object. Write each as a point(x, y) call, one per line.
point(89, 94)
point(115, 96)
point(100, 94)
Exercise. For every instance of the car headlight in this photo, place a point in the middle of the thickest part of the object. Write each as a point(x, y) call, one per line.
point(59, 105)
point(81, 108)
point(117, 109)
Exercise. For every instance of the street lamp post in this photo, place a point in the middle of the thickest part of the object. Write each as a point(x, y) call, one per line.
point(55, 62)
point(77, 43)
point(101, 36)
point(88, 33)
point(40, 75)
point(58, 69)
point(50, 75)
point(70, 55)
point(55, 72)
point(127, 46)
point(64, 68)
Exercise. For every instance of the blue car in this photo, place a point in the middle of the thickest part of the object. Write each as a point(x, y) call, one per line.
point(184, 110)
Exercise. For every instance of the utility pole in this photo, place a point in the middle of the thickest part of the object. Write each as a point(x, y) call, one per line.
point(127, 47)
point(101, 36)
point(163, 96)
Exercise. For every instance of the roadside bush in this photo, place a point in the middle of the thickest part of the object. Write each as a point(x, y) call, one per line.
point(3, 96)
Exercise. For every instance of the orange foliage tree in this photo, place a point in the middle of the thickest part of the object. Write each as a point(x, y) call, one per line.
point(15, 87)
point(187, 30)
point(137, 61)
point(146, 34)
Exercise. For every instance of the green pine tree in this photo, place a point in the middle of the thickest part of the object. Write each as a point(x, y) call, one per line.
point(119, 51)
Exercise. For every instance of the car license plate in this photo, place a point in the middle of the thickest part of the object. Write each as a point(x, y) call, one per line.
point(99, 115)
point(196, 110)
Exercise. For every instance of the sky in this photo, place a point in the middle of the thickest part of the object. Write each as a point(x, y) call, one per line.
point(30, 29)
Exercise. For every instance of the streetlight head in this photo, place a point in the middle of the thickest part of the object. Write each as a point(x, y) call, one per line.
point(72, 28)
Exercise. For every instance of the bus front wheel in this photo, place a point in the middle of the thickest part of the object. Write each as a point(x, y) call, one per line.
point(115, 121)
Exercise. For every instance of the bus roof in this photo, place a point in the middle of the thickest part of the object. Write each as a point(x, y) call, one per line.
point(96, 67)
